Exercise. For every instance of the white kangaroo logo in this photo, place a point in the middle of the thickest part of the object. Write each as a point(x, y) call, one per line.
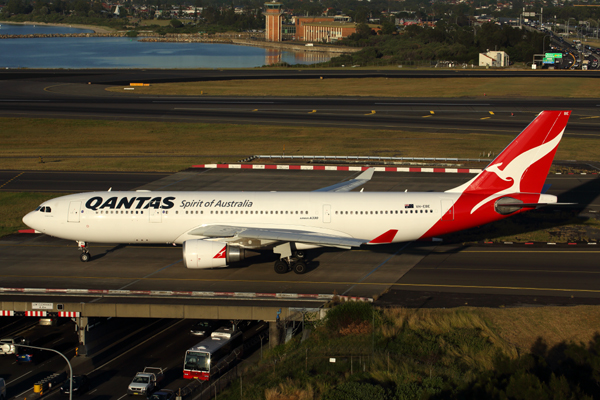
point(515, 169)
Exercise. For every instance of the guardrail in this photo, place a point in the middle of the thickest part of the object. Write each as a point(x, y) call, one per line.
point(368, 158)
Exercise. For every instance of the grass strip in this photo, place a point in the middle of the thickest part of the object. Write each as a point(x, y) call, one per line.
point(535, 87)
point(91, 145)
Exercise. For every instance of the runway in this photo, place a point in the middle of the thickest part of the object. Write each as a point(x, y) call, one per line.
point(404, 271)
point(82, 94)
point(400, 273)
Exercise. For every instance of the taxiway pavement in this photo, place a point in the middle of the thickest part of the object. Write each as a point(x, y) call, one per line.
point(560, 271)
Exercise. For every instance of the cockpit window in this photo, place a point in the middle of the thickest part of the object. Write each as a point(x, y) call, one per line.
point(38, 209)
point(48, 209)
point(43, 209)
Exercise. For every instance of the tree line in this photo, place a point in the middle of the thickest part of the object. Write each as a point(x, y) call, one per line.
point(447, 42)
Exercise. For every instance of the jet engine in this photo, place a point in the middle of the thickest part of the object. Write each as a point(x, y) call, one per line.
point(202, 254)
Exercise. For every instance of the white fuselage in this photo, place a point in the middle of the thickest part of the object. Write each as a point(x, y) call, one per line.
point(167, 217)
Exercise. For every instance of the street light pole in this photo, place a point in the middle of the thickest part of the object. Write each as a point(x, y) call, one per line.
point(60, 354)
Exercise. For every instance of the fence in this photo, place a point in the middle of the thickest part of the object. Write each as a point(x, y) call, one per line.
point(368, 158)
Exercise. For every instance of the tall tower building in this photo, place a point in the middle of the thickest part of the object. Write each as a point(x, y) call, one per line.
point(273, 17)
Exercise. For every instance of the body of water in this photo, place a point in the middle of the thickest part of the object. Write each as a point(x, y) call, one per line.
point(93, 52)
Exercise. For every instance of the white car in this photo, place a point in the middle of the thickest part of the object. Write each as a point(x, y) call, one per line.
point(7, 344)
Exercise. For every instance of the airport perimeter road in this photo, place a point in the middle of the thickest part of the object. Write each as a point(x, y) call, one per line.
point(51, 94)
point(30, 260)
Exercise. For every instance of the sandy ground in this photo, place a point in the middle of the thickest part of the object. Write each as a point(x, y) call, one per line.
point(96, 29)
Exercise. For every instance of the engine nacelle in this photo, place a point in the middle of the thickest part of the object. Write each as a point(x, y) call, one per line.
point(202, 254)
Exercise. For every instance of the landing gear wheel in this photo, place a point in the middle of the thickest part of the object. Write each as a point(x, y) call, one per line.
point(84, 256)
point(300, 267)
point(281, 267)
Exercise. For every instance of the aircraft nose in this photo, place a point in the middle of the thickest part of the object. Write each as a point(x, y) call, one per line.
point(28, 220)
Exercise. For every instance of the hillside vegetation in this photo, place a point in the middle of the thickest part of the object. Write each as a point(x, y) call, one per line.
point(387, 354)
point(447, 42)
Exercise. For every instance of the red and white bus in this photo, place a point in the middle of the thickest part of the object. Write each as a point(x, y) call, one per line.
point(209, 353)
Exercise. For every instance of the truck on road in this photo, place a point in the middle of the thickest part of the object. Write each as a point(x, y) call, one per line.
point(144, 383)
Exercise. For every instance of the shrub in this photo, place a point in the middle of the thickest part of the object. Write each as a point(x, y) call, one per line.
point(357, 391)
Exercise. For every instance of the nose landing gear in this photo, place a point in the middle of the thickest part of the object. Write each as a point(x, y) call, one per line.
point(85, 253)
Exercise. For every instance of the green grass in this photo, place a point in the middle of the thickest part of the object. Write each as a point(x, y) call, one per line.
point(382, 87)
point(14, 206)
point(89, 145)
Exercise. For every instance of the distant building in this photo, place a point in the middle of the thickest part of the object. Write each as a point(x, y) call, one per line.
point(493, 59)
point(273, 21)
point(326, 31)
point(306, 29)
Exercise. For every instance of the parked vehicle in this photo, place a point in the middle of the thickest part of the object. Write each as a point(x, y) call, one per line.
point(81, 384)
point(145, 382)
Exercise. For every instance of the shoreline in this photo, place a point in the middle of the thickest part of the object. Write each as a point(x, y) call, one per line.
point(94, 28)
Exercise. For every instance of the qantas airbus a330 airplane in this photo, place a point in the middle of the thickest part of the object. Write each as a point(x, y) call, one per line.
point(217, 228)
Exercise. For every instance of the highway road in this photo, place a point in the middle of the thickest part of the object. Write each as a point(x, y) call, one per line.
point(125, 347)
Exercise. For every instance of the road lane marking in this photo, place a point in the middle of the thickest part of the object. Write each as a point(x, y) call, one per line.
point(16, 379)
point(522, 251)
point(136, 346)
point(505, 270)
point(495, 287)
point(10, 180)
point(153, 273)
point(376, 268)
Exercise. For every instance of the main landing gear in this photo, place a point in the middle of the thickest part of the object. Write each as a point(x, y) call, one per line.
point(85, 253)
point(295, 262)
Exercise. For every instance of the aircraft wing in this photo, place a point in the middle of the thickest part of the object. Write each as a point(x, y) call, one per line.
point(347, 186)
point(282, 235)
